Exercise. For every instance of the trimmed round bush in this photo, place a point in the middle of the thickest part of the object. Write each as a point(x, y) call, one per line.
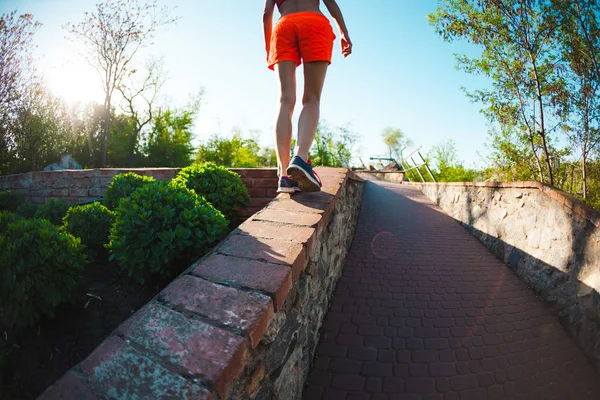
point(161, 228)
point(53, 210)
point(40, 265)
point(10, 201)
point(27, 209)
point(91, 223)
point(122, 186)
point(221, 187)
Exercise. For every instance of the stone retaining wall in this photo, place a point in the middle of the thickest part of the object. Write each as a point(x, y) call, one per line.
point(389, 176)
point(77, 186)
point(242, 322)
point(548, 237)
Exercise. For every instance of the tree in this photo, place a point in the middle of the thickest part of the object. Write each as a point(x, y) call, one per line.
point(85, 141)
point(449, 168)
point(236, 152)
point(16, 34)
point(333, 146)
point(40, 129)
point(123, 148)
point(170, 140)
point(396, 142)
point(140, 106)
point(520, 56)
point(113, 34)
point(579, 38)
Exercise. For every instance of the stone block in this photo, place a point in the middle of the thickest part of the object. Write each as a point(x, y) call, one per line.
point(274, 279)
point(211, 354)
point(267, 250)
point(118, 371)
point(250, 312)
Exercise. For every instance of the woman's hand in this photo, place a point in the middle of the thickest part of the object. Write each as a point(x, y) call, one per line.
point(346, 45)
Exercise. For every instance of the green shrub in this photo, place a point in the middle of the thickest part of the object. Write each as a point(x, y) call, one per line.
point(10, 201)
point(222, 188)
point(27, 209)
point(7, 217)
point(53, 210)
point(91, 223)
point(39, 267)
point(162, 227)
point(122, 186)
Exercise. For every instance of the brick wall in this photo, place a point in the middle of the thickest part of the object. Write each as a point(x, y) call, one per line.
point(242, 322)
point(76, 186)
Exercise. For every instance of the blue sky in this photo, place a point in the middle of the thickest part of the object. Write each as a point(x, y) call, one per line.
point(401, 73)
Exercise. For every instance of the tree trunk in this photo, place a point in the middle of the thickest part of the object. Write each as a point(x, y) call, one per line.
point(537, 159)
point(105, 131)
point(542, 131)
point(584, 177)
point(548, 165)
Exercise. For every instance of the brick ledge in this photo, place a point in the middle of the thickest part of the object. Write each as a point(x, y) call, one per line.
point(197, 334)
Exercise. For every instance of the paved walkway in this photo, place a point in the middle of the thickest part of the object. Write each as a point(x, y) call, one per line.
point(425, 311)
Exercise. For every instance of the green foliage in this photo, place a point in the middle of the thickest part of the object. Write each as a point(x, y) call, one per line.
point(170, 141)
point(449, 168)
point(122, 186)
point(161, 228)
point(53, 210)
point(222, 188)
point(237, 152)
point(123, 143)
point(6, 218)
point(27, 209)
point(91, 223)
point(396, 142)
point(333, 146)
point(10, 201)
point(519, 53)
point(40, 265)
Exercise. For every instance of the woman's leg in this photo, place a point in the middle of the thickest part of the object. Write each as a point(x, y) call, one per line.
point(314, 77)
point(286, 71)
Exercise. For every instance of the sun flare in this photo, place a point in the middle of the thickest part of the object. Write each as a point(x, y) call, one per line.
point(75, 81)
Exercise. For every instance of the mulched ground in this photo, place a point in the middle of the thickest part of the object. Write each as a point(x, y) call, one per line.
point(34, 359)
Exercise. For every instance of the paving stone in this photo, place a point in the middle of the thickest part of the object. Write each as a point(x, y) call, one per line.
point(460, 323)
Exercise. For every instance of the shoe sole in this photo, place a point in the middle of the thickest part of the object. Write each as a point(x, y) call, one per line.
point(305, 181)
point(288, 190)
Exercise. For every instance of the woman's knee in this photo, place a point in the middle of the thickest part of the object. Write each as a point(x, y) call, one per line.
point(288, 99)
point(310, 98)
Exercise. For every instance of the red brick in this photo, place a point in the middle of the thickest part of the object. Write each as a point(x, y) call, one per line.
point(259, 201)
point(120, 371)
point(267, 250)
point(69, 387)
point(248, 211)
point(277, 231)
point(257, 192)
point(271, 192)
point(249, 312)
point(261, 182)
point(290, 217)
point(59, 193)
point(274, 279)
point(97, 192)
point(297, 204)
point(255, 172)
point(218, 356)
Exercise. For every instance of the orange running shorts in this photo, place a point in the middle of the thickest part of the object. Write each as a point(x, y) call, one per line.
point(301, 37)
